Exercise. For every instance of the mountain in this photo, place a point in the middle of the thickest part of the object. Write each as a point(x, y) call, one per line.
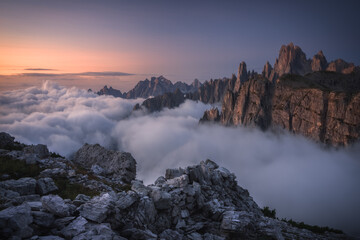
point(307, 97)
point(156, 86)
point(96, 196)
point(167, 100)
point(110, 91)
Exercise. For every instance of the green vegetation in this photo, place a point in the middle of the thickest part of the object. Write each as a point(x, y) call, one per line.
point(268, 212)
point(56, 155)
point(68, 190)
point(271, 213)
point(17, 168)
point(312, 228)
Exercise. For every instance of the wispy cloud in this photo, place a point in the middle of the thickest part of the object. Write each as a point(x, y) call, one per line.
point(40, 69)
point(89, 74)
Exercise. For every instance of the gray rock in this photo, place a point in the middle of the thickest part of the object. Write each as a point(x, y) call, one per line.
point(60, 223)
point(126, 199)
point(14, 221)
point(145, 213)
point(50, 237)
point(24, 186)
point(117, 164)
point(98, 208)
point(55, 205)
point(162, 199)
point(181, 181)
point(81, 199)
point(40, 150)
point(42, 219)
point(235, 221)
point(169, 234)
point(35, 206)
point(209, 236)
point(75, 228)
point(138, 187)
point(46, 185)
point(99, 232)
point(134, 233)
point(173, 173)
point(195, 236)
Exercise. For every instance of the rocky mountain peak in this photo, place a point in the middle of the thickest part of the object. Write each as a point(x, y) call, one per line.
point(242, 76)
point(341, 66)
point(291, 60)
point(267, 70)
point(319, 62)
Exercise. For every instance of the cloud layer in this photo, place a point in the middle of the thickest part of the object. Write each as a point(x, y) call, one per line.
point(302, 180)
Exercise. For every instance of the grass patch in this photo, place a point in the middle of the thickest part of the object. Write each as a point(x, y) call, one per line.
point(69, 190)
point(312, 228)
point(56, 155)
point(17, 168)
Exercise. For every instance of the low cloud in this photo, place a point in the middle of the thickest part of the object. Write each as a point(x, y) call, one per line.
point(299, 178)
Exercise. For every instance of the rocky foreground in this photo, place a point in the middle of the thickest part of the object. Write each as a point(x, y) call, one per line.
point(96, 196)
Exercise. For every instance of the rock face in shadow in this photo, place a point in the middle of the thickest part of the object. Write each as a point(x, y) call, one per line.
point(211, 115)
point(110, 91)
point(106, 162)
point(158, 103)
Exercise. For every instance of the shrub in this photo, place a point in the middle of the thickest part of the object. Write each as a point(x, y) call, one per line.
point(68, 190)
point(312, 228)
point(268, 212)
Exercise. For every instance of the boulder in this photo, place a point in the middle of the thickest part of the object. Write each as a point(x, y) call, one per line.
point(55, 205)
point(169, 234)
point(14, 221)
point(40, 150)
point(126, 199)
point(42, 219)
point(98, 208)
point(114, 163)
point(139, 187)
point(237, 221)
point(46, 185)
point(23, 186)
point(181, 181)
point(162, 199)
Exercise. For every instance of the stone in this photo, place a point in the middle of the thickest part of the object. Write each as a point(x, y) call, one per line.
point(134, 233)
point(35, 206)
point(81, 199)
point(75, 227)
point(98, 231)
point(173, 173)
point(42, 219)
point(169, 234)
point(167, 100)
point(14, 222)
point(46, 185)
point(237, 221)
point(40, 150)
point(115, 164)
point(138, 187)
point(98, 208)
point(181, 181)
point(23, 186)
point(55, 205)
point(209, 236)
point(50, 237)
point(126, 199)
point(266, 73)
point(162, 199)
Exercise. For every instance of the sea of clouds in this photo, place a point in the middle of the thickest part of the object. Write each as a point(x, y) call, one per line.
point(302, 180)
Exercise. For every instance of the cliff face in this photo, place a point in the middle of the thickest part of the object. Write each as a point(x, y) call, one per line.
point(307, 97)
point(302, 105)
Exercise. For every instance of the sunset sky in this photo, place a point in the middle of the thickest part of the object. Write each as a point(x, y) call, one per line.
point(182, 40)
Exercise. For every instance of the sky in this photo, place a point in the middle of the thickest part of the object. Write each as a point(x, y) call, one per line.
point(182, 40)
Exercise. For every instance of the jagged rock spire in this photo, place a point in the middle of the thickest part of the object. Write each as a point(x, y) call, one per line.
point(241, 77)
